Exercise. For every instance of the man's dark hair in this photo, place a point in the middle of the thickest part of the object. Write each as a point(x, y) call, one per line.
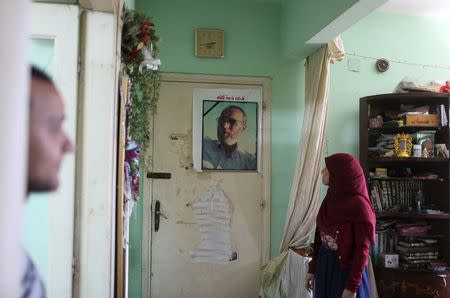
point(37, 73)
point(232, 107)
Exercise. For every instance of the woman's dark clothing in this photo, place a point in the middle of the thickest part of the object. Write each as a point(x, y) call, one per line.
point(347, 216)
point(330, 279)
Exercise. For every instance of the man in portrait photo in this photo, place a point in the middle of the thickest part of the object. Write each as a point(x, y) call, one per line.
point(225, 152)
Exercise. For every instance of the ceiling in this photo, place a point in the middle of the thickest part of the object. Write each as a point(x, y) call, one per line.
point(417, 7)
point(58, 1)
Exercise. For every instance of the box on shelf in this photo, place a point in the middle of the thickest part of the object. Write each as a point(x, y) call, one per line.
point(390, 260)
point(421, 120)
point(381, 172)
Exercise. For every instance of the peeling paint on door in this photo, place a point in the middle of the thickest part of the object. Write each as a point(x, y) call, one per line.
point(182, 147)
point(213, 214)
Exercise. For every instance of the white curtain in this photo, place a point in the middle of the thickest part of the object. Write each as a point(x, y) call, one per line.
point(304, 201)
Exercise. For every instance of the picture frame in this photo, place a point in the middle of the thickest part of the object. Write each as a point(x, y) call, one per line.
point(426, 139)
point(227, 130)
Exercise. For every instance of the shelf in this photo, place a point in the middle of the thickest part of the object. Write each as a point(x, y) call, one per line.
point(412, 215)
point(408, 179)
point(418, 270)
point(421, 98)
point(407, 159)
point(406, 129)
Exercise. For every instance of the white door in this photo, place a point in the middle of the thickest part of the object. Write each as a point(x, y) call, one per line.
point(168, 268)
point(49, 218)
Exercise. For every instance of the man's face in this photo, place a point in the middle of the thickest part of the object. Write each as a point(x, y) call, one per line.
point(230, 126)
point(47, 141)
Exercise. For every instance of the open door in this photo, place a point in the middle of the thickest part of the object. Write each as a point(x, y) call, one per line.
point(49, 218)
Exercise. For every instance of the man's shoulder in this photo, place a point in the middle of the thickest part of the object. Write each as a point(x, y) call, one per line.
point(247, 158)
point(245, 153)
point(209, 143)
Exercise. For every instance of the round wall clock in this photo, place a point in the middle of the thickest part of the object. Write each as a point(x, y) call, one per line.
point(382, 65)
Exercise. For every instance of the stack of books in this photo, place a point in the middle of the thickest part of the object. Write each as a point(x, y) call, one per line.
point(417, 253)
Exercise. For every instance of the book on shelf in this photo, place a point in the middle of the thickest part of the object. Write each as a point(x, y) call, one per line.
point(424, 262)
point(394, 195)
point(414, 266)
point(419, 255)
point(401, 248)
point(411, 244)
point(418, 258)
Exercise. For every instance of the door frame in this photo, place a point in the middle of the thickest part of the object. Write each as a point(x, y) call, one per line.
point(61, 25)
point(266, 160)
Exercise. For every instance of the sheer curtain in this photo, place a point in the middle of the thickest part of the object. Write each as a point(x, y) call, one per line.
point(283, 276)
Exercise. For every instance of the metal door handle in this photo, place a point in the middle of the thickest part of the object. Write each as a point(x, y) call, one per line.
point(158, 215)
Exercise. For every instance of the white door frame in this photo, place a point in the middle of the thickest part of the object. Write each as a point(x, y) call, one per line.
point(61, 24)
point(265, 84)
point(97, 156)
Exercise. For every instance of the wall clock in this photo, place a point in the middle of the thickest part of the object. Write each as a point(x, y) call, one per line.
point(209, 43)
point(382, 65)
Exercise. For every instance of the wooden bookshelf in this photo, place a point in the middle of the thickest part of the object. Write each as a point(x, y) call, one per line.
point(408, 283)
point(412, 215)
point(407, 160)
point(409, 179)
point(406, 270)
point(400, 129)
point(398, 191)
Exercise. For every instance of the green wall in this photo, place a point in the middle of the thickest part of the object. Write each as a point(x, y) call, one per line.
point(252, 48)
point(302, 19)
point(35, 217)
point(251, 35)
point(130, 4)
point(410, 39)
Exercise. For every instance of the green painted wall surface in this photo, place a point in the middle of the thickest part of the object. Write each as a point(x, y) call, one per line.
point(251, 35)
point(252, 48)
point(35, 215)
point(416, 41)
point(130, 4)
point(302, 19)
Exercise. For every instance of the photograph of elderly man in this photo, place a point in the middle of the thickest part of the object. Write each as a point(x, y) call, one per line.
point(234, 145)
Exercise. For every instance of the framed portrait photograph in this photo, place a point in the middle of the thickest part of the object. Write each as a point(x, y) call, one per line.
point(227, 129)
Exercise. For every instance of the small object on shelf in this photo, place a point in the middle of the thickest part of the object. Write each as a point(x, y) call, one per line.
point(417, 150)
point(440, 268)
point(390, 260)
point(381, 172)
point(429, 240)
point(426, 139)
point(376, 122)
point(402, 145)
point(426, 175)
point(393, 123)
point(412, 230)
point(419, 200)
point(445, 88)
point(432, 211)
point(431, 120)
point(441, 150)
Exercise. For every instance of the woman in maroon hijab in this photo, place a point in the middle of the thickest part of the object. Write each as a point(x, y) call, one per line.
point(345, 231)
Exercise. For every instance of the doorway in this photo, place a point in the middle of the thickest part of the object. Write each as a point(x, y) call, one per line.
point(168, 267)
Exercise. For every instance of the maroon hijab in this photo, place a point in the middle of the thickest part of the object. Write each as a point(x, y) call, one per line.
point(347, 200)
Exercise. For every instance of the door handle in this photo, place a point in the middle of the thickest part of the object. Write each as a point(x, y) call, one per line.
point(158, 215)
